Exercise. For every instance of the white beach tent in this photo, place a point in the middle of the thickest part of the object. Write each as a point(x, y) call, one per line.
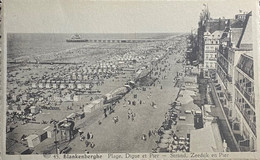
point(89, 108)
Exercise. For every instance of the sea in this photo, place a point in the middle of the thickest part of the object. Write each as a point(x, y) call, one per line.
point(29, 44)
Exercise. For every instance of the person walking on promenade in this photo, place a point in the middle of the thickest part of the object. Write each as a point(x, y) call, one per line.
point(144, 137)
point(149, 133)
point(129, 112)
point(86, 151)
point(87, 143)
point(133, 116)
point(91, 135)
point(88, 135)
point(155, 131)
point(92, 145)
point(115, 119)
point(81, 138)
point(105, 112)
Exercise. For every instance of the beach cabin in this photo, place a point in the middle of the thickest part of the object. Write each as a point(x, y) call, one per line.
point(85, 77)
point(89, 108)
point(34, 85)
point(80, 76)
point(75, 98)
point(98, 103)
point(34, 109)
point(41, 85)
point(71, 85)
point(62, 85)
point(48, 85)
point(87, 86)
point(79, 85)
point(54, 86)
point(33, 140)
point(74, 76)
point(50, 131)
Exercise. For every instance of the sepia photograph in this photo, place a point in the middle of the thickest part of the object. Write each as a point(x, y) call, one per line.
point(90, 77)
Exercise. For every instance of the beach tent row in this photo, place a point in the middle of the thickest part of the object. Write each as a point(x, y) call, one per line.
point(62, 85)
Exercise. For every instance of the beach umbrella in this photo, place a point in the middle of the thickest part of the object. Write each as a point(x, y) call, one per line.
point(174, 146)
point(166, 136)
point(167, 132)
point(164, 140)
point(163, 145)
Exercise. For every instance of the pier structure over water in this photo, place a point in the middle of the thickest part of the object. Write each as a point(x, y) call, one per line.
point(114, 40)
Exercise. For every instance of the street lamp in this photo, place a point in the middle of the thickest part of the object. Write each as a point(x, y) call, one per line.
point(54, 122)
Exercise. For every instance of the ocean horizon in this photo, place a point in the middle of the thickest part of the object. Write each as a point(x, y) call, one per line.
point(27, 44)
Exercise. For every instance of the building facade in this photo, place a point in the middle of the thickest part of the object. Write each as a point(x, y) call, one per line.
point(235, 77)
point(211, 46)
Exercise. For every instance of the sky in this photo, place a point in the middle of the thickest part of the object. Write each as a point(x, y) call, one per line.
point(85, 16)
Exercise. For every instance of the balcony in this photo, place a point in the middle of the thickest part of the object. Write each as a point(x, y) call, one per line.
point(245, 64)
point(220, 63)
point(250, 98)
point(224, 51)
point(212, 59)
point(228, 95)
point(251, 124)
point(229, 78)
point(210, 51)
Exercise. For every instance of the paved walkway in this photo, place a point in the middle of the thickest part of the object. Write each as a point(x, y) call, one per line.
point(125, 136)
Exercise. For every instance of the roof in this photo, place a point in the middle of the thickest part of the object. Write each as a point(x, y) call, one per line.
point(237, 24)
point(191, 79)
point(207, 33)
point(216, 24)
point(236, 34)
point(245, 41)
point(217, 34)
point(97, 101)
point(207, 139)
point(32, 136)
